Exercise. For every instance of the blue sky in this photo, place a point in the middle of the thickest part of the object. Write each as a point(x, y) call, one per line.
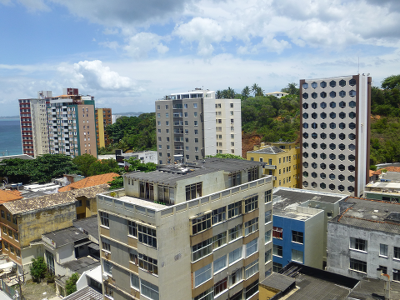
point(129, 53)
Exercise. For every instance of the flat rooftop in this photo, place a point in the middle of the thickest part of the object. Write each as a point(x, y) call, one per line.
point(66, 236)
point(82, 264)
point(88, 226)
point(268, 150)
point(371, 214)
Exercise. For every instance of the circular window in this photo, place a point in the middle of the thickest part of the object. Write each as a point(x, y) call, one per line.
point(351, 178)
point(332, 146)
point(323, 95)
point(314, 135)
point(305, 154)
point(323, 136)
point(341, 177)
point(305, 145)
point(352, 136)
point(332, 176)
point(332, 167)
point(342, 147)
point(314, 125)
point(332, 83)
point(342, 157)
point(332, 94)
point(305, 183)
point(305, 125)
point(305, 116)
point(341, 188)
point(305, 135)
point(314, 185)
point(314, 95)
point(342, 167)
point(314, 115)
point(332, 186)
point(323, 84)
point(314, 175)
point(352, 82)
point(314, 105)
point(332, 125)
point(323, 175)
point(342, 115)
point(352, 125)
point(342, 136)
point(314, 155)
point(342, 94)
point(314, 85)
point(332, 156)
point(352, 147)
point(322, 155)
point(352, 115)
point(305, 86)
point(352, 104)
point(314, 145)
point(322, 186)
point(323, 115)
point(332, 136)
point(323, 166)
point(352, 93)
point(314, 165)
point(351, 168)
point(305, 174)
point(305, 105)
point(323, 125)
point(332, 115)
point(350, 189)
point(305, 95)
point(342, 125)
point(342, 104)
point(342, 83)
point(323, 105)
point(305, 164)
point(323, 146)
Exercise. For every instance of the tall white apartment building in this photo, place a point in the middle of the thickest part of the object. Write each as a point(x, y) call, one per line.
point(335, 133)
point(194, 124)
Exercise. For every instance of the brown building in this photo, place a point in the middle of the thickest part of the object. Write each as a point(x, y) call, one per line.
point(103, 119)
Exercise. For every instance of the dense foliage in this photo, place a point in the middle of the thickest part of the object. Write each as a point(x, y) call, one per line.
point(38, 269)
point(226, 155)
point(70, 285)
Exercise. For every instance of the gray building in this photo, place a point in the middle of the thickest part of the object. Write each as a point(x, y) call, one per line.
point(365, 237)
point(194, 231)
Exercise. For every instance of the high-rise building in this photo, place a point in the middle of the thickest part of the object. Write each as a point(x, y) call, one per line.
point(63, 124)
point(103, 119)
point(194, 231)
point(195, 124)
point(335, 133)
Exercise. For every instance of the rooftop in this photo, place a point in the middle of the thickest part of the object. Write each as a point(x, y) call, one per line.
point(372, 289)
point(88, 226)
point(9, 195)
point(82, 264)
point(65, 236)
point(53, 200)
point(87, 293)
point(268, 150)
point(90, 181)
point(371, 214)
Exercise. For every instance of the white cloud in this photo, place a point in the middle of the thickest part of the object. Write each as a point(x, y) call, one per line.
point(35, 5)
point(140, 44)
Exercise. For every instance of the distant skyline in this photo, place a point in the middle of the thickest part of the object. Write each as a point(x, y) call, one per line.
point(127, 54)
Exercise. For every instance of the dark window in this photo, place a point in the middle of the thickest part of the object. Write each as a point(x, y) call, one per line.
point(352, 104)
point(305, 86)
point(305, 96)
point(352, 136)
point(323, 165)
point(342, 125)
point(332, 104)
point(305, 174)
point(305, 164)
point(323, 115)
point(323, 156)
point(314, 95)
point(350, 189)
point(314, 165)
point(352, 157)
point(352, 115)
point(305, 105)
point(305, 116)
point(314, 105)
point(332, 167)
point(341, 177)
point(323, 146)
point(314, 184)
point(314, 125)
point(342, 94)
point(351, 168)
point(342, 136)
point(332, 156)
point(358, 265)
point(314, 135)
point(332, 136)
point(200, 224)
point(342, 104)
point(252, 174)
point(323, 95)
point(332, 83)
point(332, 115)
point(352, 82)
point(314, 115)
point(323, 84)
point(342, 83)
point(332, 125)
point(352, 125)
point(314, 175)
point(305, 183)
point(148, 236)
point(341, 188)
point(323, 136)
point(332, 186)
point(194, 190)
point(297, 237)
point(314, 146)
point(322, 175)
point(352, 93)
point(342, 157)
point(342, 115)
point(305, 135)
point(305, 145)
point(342, 147)
point(314, 85)
point(332, 146)
point(322, 186)
point(323, 125)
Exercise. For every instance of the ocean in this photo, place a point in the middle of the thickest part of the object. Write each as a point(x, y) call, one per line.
point(10, 137)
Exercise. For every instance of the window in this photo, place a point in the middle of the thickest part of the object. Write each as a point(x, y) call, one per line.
point(250, 226)
point(202, 249)
point(219, 264)
point(202, 223)
point(207, 295)
point(251, 204)
point(234, 209)
point(219, 215)
point(235, 255)
point(235, 178)
point(251, 269)
point(396, 252)
point(149, 290)
point(252, 174)
point(8, 217)
point(2, 214)
point(220, 286)
point(278, 232)
point(16, 236)
point(132, 228)
point(194, 190)
point(147, 236)
point(268, 236)
point(235, 232)
point(194, 105)
point(14, 219)
point(219, 240)
point(251, 247)
point(297, 237)
point(278, 250)
point(107, 266)
point(268, 196)
point(104, 219)
point(358, 265)
point(135, 281)
point(148, 263)
point(166, 194)
point(202, 275)
point(133, 256)
point(106, 245)
point(358, 244)
point(396, 275)
point(383, 250)
point(297, 255)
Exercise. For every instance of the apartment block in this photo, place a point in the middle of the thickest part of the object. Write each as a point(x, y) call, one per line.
point(192, 125)
point(103, 119)
point(282, 161)
point(335, 133)
point(193, 231)
point(364, 238)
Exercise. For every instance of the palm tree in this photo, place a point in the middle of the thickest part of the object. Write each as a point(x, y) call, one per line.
point(230, 93)
point(246, 92)
point(218, 94)
point(254, 88)
point(259, 92)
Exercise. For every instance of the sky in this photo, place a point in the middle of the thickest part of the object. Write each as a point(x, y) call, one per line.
point(127, 54)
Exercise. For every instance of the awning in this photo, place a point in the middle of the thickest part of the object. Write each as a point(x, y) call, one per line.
point(82, 243)
point(94, 246)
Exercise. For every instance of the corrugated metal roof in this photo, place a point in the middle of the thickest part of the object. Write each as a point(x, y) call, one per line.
point(87, 293)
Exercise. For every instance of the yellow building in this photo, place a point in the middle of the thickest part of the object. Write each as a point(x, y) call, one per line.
point(283, 161)
point(103, 119)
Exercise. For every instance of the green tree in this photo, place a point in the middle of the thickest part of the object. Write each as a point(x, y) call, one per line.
point(117, 183)
point(70, 285)
point(136, 165)
point(218, 94)
point(391, 82)
point(38, 269)
point(254, 88)
point(245, 92)
point(103, 167)
point(225, 155)
point(84, 162)
point(291, 89)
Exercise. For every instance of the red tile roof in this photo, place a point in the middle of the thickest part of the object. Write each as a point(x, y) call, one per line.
point(8, 195)
point(90, 181)
point(389, 169)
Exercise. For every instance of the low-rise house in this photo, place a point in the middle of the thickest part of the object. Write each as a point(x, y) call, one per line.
point(88, 286)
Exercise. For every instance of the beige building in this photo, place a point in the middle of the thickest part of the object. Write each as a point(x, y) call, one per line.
point(195, 231)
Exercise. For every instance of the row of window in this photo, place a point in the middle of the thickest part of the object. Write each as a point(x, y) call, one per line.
point(323, 146)
point(332, 125)
point(332, 136)
point(184, 105)
point(332, 176)
point(332, 167)
point(332, 104)
point(332, 83)
point(332, 156)
point(11, 248)
point(297, 236)
point(14, 220)
point(332, 94)
point(11, 233)
point(332, 115)
point(297, 255)
point(331, 186)
point(221, 286)
point(178, 123)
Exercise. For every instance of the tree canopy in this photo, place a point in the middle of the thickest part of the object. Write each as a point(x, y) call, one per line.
point(226, 155)
point(70, 284)
point(83, 162)
point(38, 268)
